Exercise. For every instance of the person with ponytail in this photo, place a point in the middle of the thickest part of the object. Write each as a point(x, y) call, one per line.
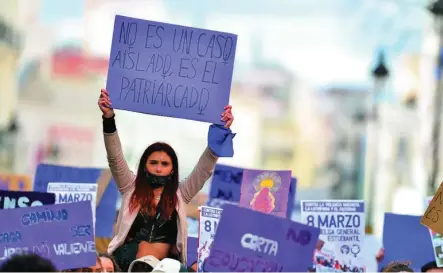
point(152, 219)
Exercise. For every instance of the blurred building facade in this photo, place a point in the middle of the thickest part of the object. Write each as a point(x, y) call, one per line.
point(345, 110)
point(10, 49)
point(57, 108)
point(402, 147)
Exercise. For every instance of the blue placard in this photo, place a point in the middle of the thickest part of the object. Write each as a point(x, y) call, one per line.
point(170, 70)
point(192, 250)
point(260, 243)
point(62, 233)
point(291, 198)
point(405, 239)
point(226, 183)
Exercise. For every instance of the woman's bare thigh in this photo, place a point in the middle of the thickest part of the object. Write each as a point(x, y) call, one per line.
point(158, 250)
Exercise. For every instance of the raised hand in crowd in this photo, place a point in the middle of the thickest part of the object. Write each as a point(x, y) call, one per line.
point(105, 105)
point(380, 255)
point(227, 116)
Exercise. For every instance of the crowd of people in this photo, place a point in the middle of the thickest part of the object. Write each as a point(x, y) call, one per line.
point(151, 230)
point(106, 263)
point(332, 265)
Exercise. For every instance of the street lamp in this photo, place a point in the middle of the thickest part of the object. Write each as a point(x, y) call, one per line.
point(12, 132)
point(380, 75)
point(437, 10)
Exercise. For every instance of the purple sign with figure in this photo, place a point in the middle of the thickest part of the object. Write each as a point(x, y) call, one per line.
point(266, 191)
point(226, 187)
point(170, 70)
point(62, 233)
point(251, 241)
point(23, 199)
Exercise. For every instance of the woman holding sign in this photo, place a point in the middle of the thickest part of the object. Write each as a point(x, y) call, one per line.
point(152, 219)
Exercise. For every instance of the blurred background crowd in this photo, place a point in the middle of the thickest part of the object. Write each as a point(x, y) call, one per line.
point(345, 93)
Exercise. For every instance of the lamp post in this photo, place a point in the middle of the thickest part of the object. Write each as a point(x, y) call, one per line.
point(13, 130)
point(380, 75)
point(437, 10)
point(8, 140)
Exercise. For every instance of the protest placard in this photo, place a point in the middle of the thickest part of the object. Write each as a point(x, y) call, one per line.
point(62, 233)
point(405, 239)
point(209, 218)
point(250, 241)
point(437, 239)
point(192, 250)
point(68, 192)
point(431, 217)
point(226, 186)
point(23, 199)
point(170, 70)
point(226, 183)
point(266, 191)
point(15, 182)
point(342, 225)
point(291, 197)
point(74, 184)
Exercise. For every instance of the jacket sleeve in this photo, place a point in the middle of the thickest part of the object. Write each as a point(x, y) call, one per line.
point(123, 176)
point(199, 175)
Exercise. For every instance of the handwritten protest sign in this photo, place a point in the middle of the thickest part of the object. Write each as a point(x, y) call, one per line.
point(209, 218)
point(437, 239)
point(23, 199)
point(251, 241)
point(266, 191)
point(342, 225)
point(170, 70)
point(62, 233)
point(74, 184)
point(431, 218)
point(405, 239)
point(226, 187)
point(15, 182)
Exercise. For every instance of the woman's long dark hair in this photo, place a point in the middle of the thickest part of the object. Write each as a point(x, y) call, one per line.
point(144, 194)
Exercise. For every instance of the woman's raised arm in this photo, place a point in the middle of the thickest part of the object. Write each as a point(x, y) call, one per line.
point(123, 176)
point(206, 164)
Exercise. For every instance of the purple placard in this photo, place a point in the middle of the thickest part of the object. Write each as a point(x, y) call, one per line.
point(192, 250)
point(63, 233)
point(170, 70)
point(251, 241)
point(23, 199)
point(226, 183)
point(266, 191)
point(405, 239)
